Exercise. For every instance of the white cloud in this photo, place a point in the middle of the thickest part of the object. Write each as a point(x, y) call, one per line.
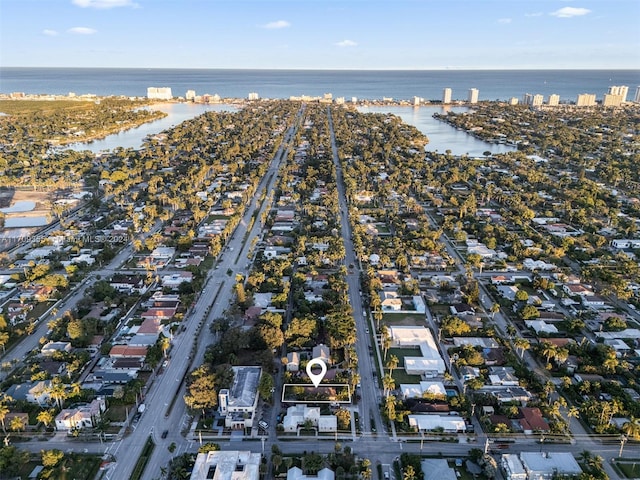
point(49, 32)
point(504, 20)
point(346, 43)
point(82, 30)
point(277, 24)
point(534, 14)
point(104, 3)
point(568, 12)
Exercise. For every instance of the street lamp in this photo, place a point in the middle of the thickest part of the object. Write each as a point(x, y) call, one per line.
point(623, 439)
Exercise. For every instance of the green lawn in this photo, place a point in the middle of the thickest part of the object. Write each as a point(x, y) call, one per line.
point(630, 470)
point(409, 319)
point(400, 376)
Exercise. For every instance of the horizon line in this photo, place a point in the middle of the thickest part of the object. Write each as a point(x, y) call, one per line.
point(439, 69)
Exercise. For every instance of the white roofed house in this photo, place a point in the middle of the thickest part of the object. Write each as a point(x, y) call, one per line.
point(390, 300)
point(84, 416)
point(227, 465)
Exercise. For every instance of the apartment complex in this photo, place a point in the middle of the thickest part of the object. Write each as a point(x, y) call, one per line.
point(159, 93)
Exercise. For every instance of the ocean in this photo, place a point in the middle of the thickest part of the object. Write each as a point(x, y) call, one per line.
point(362, 84)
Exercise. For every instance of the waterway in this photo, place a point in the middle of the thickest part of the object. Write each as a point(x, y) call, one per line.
point(442, 136)
point(133, 138)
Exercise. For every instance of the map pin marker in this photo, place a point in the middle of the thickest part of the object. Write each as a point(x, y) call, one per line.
point(316, 378)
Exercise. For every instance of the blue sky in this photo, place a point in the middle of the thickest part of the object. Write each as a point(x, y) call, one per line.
point(321, 34)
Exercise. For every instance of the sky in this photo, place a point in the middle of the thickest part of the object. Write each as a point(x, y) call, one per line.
point(321, 34)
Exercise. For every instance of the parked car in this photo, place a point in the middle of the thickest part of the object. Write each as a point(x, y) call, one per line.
point(165, 433)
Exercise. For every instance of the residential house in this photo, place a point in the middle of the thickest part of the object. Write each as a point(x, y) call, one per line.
point(84, 416)
point(50, 348)
point(322, 352)
point(390, 300)
point(431, 423)
point(33, 392)
point(293, 362)
point(295, 473)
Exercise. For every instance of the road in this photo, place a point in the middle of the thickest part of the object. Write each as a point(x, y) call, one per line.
point(216, 297)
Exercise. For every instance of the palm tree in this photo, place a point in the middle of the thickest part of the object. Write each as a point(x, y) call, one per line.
point(58, 392)
point(17, 423)
point(165, 343)
point(392, 363)
point(385, 340)
point(388, 384)
point(632, 428)
point(548, 350)
point(573, 412)
point(521, 344)
point(4, 410)
point(495, 308)
point(46, 417)
point(4, 338)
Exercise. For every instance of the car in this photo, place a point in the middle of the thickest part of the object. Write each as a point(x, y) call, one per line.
point(165, 433)
point(366, 331)
point(386, 475)
point(263, 425)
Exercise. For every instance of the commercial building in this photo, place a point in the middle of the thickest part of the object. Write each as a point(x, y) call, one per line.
point(238, 404)
point(227, 465)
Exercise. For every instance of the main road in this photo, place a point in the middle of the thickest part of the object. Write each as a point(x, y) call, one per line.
point(370, 392)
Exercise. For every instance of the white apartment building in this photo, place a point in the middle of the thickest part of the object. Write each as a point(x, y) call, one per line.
point(533, 100)
point(621, 90)
point(554, 100)
point(612, 100)
point(636, 98)
point(159, 93)
point(474, 93)
point(253, 96)
point(586, 100)
point(446, 95)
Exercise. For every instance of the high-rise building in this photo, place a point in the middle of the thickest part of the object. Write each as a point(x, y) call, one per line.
point(586, 100)
point(159, 93)
point(611, 100)
point(253, 96)
point(190, 95)
point(533, 100)
point(473, 95)
point(446, 95)
point(554, 100)
point(417, 101)
point(621, 90)
point(513, 101)
point(637, 97)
